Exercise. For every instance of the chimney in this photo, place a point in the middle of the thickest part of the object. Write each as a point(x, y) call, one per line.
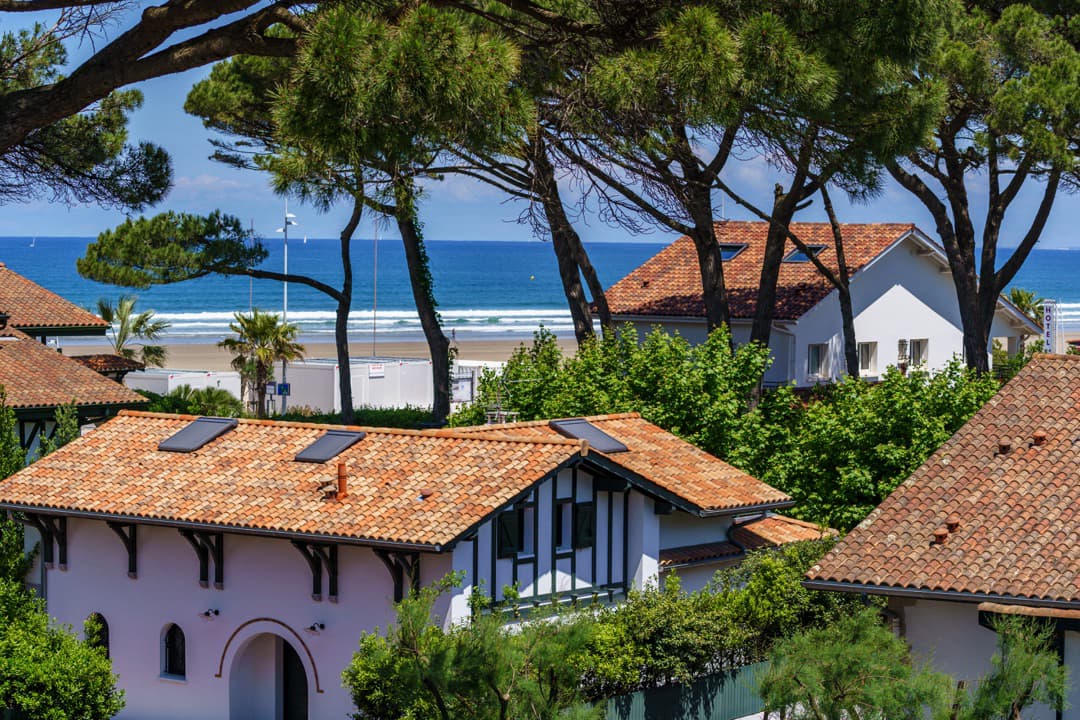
point(1004, 446)
point(426, 492)
point(1039, 437)
point(952, 522)
point(940, 536)
point(342, 481)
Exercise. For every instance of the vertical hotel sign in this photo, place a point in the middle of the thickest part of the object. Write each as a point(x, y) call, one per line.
point(1050, 332)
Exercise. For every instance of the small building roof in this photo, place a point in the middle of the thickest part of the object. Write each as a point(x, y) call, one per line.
point(423, 489)
point(108, 363)
point(669, 283)
point(766, 531)
point(37, 311)
point(992, 515)
point(707, 482)
point(776, 530)
point(35, 376)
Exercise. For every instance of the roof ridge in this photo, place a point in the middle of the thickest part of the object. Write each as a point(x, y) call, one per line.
point(537, 423)
point(440, 432)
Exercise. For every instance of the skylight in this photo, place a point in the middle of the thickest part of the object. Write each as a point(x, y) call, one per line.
point(329, 445)
point(197, 434)
point(729, 251)
point(581, 429)
point(798, 256)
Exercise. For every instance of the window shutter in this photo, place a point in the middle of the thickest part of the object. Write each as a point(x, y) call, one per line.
point(584, 525)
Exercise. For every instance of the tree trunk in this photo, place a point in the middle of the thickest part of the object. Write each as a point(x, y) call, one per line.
point(785, 204)
point(596, 289)
point(847, 319)
point(847, 314)
point(423, 296)
point(713, 291)
point(775, 242)
point(341, 322)
point(563, 237)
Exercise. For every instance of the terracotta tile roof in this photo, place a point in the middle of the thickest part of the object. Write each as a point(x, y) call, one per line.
point(33, 307)
point(247, 479)
point(669, 283)
point(36, 376)
point(672, 464)
point(1019, 526)
point(694, 554)
point(108, 363)
point(776, 530)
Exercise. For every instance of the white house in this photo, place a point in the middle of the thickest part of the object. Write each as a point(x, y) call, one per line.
point(902, 293)
point(235, 563)
point(989, 525)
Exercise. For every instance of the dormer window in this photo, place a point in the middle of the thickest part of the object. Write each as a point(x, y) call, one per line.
point(729, 251)
point(798, 256)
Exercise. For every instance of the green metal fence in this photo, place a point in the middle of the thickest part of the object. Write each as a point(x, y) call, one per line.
point(725, 696)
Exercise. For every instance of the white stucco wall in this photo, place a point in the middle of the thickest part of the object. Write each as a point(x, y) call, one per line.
point(948, 636)
point(901, 295)
point(267, 589)
point(681, 528)
point(1072, 661)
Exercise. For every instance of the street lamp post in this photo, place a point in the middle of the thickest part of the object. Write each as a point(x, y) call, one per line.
point(290, 219)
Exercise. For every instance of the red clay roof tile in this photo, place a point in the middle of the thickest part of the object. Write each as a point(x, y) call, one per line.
point(669, 284)
point(37, 376)
point(1019, 524)
point(33, 307)
point(668, 461)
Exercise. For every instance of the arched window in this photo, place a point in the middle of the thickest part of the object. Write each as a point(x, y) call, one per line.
point(173, 656)
point(97, 632)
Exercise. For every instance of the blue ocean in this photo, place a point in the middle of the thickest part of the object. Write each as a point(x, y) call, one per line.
point(485, 289)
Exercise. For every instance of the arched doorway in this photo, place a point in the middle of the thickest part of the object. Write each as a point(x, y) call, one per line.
point(267, 680)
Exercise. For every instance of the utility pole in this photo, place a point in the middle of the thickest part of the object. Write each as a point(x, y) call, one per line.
point(290, 219)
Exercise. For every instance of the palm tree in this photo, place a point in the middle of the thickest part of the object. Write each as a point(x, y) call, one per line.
point(1027, 302)
point(262, 340)
point(126, 326)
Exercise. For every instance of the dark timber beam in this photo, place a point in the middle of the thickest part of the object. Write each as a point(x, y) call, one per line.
point(314, 562)
point(402, 565)
point(207, 546)
point(52, 529)
point(128, 535)
point(328, 554)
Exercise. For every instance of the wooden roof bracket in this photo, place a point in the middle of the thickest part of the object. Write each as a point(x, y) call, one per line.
point(128, 534)
point(402, 565)
point(317, 555)
point(52, 529)
point(208, 545)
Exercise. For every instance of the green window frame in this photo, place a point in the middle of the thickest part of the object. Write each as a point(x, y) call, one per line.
point(510, 533)
point(584, 525)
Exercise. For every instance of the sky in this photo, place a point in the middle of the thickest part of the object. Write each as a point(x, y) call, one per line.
point(454, 209)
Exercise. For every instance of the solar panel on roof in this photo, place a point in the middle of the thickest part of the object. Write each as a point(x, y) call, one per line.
point(331, 444)
point(584, 430)
point(197, 433)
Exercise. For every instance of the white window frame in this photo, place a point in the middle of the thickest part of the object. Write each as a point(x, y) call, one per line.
point(924, 352)
point(822, 363)
point(870, 367)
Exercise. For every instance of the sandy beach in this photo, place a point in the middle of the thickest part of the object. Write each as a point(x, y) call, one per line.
point(199, 356)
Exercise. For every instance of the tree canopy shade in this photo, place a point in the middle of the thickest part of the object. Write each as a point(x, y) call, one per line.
point(236, 101)
point(169, 248)
point(387, 99)
point(656, 125)
point(1011, 73)
point(83, 157)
